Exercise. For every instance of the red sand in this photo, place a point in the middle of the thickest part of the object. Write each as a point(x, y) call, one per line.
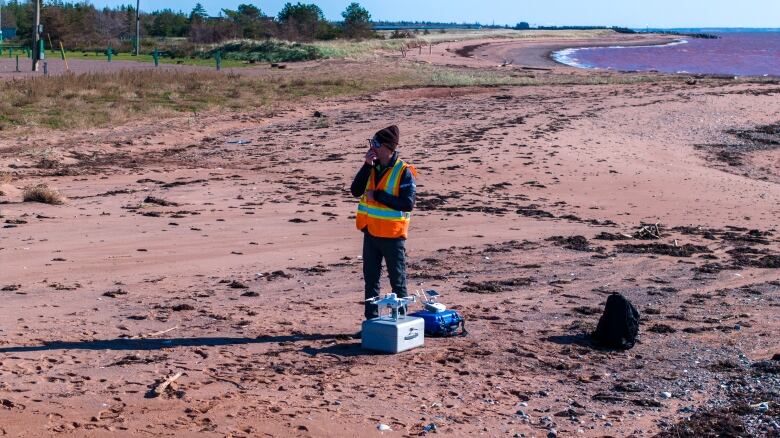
point(492, 161)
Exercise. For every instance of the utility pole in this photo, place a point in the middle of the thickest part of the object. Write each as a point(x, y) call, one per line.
point(137, 27)
point(36, 52)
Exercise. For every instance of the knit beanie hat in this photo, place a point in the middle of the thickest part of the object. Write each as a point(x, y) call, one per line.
point(388, 136)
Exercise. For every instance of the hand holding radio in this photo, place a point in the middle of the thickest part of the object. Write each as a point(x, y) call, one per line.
point(371, 157)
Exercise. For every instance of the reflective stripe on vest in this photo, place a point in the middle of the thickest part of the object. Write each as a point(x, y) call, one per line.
point(377, 218)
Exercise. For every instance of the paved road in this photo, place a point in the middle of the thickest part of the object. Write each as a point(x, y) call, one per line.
point(57, 66)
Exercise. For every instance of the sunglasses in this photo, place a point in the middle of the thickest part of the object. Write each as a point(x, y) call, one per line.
point(373, 143)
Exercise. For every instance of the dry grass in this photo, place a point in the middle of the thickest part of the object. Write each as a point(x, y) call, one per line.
point(89, 100)
point(5, 178)
point(43, 194)
point(344, 49)
point(455, 77)
point(464, 35)
point(68, 102)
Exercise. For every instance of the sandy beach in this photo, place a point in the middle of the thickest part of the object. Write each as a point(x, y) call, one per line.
point(221, 245)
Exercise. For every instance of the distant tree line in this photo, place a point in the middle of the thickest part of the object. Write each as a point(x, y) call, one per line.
point(615, 28)
point(433, 25)
point(80, 24)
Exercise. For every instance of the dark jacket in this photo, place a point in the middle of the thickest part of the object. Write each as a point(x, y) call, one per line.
point(406, 192)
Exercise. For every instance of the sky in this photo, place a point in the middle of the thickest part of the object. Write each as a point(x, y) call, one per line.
point(628, 13)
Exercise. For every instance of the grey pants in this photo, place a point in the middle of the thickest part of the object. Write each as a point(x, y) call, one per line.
point(393, 251)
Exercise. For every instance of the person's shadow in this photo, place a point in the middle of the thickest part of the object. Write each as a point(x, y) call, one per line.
point(345, 350)
point(157, 344)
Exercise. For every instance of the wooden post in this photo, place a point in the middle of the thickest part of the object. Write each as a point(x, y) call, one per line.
point(64, 59)
point(218, 59)
point(36, 36)
point(137, 27)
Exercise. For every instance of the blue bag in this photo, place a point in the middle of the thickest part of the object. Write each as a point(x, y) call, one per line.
point(444, 324)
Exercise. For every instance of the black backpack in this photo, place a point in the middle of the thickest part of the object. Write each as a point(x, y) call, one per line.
point(619, 325)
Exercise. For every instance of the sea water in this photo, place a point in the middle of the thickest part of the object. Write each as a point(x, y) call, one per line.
point(733, 53)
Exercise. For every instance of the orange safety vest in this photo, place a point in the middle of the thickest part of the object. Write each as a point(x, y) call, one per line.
point(379, 219)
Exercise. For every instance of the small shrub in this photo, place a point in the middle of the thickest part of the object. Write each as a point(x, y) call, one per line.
point(264, 51)
point(47, 163)
point(322, 123)
point(401, 34)
point(43, 194)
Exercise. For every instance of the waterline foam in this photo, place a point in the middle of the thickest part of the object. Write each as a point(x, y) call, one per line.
point(568, 56)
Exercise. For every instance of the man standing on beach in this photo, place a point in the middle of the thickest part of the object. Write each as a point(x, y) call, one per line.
point(386, 188)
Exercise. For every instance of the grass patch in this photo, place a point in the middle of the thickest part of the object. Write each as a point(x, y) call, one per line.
point(343, 49)
point(463, 77)
point(73, 101)
point(43, 194)
point(243, 53)
point(76, 101)
point(465, 35)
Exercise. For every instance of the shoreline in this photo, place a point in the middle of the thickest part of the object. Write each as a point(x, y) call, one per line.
point(539, 53)
point(551, 53)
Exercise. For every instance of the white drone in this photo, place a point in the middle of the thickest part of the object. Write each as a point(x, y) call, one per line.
point(395, 304)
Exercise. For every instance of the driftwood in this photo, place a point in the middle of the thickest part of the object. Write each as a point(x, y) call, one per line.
point(160, 389)
point(154, 334)
point(226, 380)
point(653, 231)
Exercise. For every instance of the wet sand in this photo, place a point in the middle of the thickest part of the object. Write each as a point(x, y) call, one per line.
point(533, 53)
point(539, 54)
point(531, 208)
